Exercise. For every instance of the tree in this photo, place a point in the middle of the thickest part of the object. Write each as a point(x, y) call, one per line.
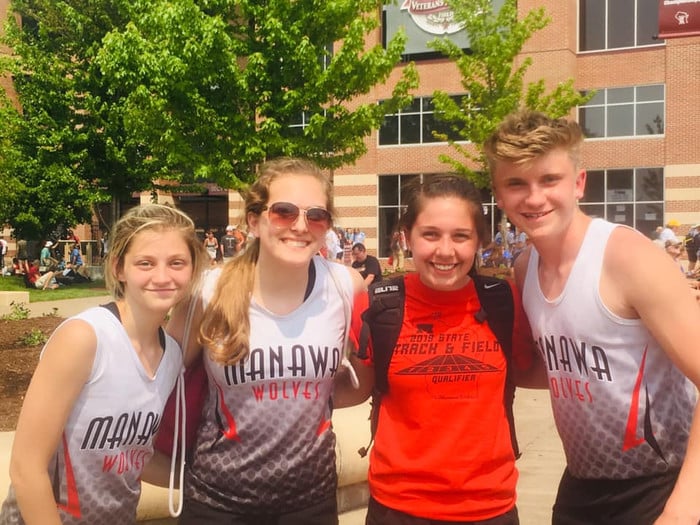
point(125, 95)
point(65, 149)
point(493, 80)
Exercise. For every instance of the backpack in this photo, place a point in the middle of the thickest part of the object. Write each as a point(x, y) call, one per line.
point(691, 240)
point(230, 242)
point(383, 319)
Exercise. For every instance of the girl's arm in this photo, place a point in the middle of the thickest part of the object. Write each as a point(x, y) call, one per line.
point(529, 370)
point(157, 471)
point(345, 394)
point(176, 328)
point(63, 370)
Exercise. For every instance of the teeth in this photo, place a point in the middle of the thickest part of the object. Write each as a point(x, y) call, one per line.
point(444, 267)
point(297, 244)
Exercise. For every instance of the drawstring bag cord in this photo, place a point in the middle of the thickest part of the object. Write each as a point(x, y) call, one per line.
point(179, 430)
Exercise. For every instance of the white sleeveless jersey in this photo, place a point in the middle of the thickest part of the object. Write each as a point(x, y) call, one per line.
point(265, 443)
point(621, 407)
point(108, 437)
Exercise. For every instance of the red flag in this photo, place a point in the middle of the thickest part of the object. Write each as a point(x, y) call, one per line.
point(678, 18)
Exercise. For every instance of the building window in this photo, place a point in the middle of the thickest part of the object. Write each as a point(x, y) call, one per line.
point(615, 24)
point(327, 56)
point(391, 207)
point(299, 122)
point(414, 124)
point(632, 196)
point(624, 112)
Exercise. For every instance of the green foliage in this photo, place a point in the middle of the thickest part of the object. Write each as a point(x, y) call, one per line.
point(65, 150)
point(119, 96)
point(17, 311)
point(34, 337)
point(492, 76)
point(212, 88)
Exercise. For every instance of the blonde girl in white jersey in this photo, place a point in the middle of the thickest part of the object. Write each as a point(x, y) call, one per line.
point(86, 428)
point(272, 324)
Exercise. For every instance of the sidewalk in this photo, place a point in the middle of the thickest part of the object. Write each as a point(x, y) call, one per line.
point(66, 307)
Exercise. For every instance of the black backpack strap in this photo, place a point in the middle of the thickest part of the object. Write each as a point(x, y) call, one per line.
point(382, 323)
point(498, 310)
point(496, 298)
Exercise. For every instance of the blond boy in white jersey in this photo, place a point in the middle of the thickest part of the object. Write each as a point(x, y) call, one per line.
point(645, 466)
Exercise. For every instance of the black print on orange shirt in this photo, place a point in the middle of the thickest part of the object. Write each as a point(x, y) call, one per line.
point(449, 365)
point(425, 328)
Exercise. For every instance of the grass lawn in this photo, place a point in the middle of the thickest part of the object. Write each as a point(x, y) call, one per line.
point(74, 291)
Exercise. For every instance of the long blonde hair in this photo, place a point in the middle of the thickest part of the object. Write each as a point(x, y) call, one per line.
point(225, 327)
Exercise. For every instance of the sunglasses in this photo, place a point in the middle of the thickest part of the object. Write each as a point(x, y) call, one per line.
point(284, 214)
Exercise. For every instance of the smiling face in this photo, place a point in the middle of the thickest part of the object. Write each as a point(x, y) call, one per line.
point(540, 196)
point(296, 243)
point(444, 241)
point(156, 269)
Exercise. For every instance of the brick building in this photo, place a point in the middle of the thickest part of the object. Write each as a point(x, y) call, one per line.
point(642, 158)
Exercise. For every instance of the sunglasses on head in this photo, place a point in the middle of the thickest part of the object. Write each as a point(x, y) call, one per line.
point(284, 214)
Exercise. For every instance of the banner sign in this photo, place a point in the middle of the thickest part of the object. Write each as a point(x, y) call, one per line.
point(678, 18)
point(432, 16)
point(423, 21)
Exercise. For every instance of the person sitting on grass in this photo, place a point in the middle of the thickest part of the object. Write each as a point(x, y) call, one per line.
point(46, 281)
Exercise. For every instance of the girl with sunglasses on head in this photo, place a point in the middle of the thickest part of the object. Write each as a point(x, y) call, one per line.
point(95, 401)
point(271, 326)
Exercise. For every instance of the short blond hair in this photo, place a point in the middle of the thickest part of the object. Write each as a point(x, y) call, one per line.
point(526, 135)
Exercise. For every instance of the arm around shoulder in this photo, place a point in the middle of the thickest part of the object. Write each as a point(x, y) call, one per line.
point(345, 393)
point(528, 369)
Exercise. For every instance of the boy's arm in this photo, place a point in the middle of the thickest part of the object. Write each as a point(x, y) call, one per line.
point(639, 280)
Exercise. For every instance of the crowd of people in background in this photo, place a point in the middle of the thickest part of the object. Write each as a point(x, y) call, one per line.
point(339, 242)
point(502, 251)
point(49, 270)
point(669, 238)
